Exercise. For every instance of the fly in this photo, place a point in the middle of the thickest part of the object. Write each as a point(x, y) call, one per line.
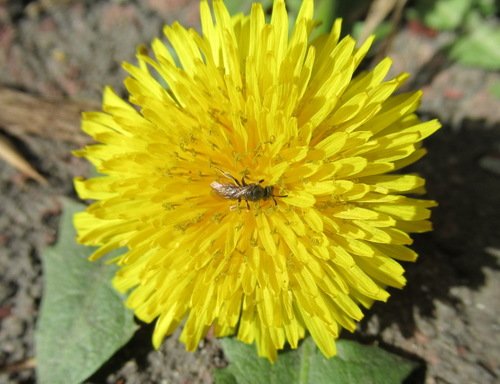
point(240, 190)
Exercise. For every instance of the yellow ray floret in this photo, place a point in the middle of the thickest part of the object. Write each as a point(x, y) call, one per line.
point(252, 179)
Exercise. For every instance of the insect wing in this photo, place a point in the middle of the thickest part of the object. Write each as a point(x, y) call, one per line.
point(228, 191)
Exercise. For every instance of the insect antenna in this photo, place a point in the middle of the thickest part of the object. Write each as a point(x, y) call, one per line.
point(273, 196)
point(229, 176)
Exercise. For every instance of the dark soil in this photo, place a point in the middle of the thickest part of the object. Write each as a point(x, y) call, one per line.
point(447, 315)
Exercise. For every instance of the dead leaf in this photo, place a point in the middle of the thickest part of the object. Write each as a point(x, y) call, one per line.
point(11, 156)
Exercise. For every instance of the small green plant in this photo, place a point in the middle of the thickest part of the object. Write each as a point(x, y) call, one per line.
point(474, 23)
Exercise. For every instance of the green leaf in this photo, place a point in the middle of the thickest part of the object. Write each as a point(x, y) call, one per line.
point(354, 363)
point(243, 6)
point(82, 318)
point(443, 14)
point(494, 89)
point(487, 7)
point(324, 13)
point(381, 31)
point(479, 48)
point(223, 376)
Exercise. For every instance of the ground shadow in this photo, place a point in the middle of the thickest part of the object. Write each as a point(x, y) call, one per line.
point(136, 349)
point(466, 223)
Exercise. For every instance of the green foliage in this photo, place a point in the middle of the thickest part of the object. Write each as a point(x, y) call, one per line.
point(82, 318)
point(480, 47)
point(443, 14)
point(478, 35)
point(243, 6)
point(324, 11)
point(494, 89)
point(381, 32)
point(354, 363)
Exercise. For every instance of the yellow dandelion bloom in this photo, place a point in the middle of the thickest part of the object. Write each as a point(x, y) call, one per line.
point(253, 179)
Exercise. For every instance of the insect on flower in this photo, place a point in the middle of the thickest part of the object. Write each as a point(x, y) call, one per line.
point(241, 190)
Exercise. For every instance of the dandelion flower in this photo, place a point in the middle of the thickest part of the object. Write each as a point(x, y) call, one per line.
point(319, 227)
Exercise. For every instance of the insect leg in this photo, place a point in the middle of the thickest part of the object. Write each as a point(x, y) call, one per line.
point(261, 181)
point(274, 198)
point(248, 205)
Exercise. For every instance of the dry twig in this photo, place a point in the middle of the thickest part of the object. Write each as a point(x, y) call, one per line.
point(19, 366)
point(59, 120)
point(377, 13)
point(22, 115)
point(11, 156)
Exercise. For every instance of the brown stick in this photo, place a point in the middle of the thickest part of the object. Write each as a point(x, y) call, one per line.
point(29, 363)
point(25, 114)
point(14, 158)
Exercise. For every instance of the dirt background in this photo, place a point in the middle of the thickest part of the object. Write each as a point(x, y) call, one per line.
point(447, 315)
